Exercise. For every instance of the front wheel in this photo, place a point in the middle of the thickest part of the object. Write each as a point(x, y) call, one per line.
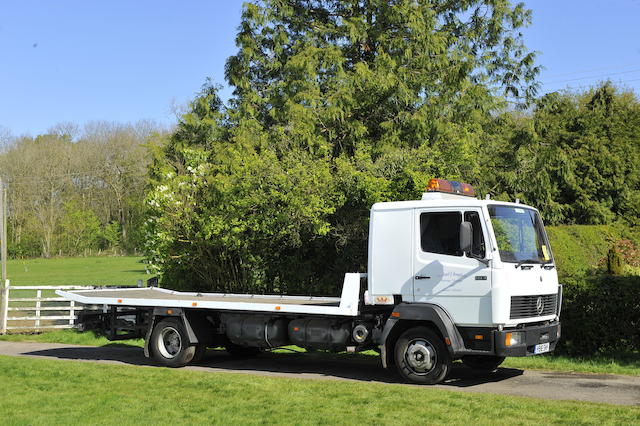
point(487, 364)
point(422, 357)
point(169, 343)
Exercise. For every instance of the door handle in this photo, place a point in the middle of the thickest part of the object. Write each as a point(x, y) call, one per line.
point(422, 277)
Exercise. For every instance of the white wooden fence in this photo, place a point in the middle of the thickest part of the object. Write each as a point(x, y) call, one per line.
point(36, 308)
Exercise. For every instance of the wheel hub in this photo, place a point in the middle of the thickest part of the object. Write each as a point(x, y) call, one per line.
point(420, 356)
point(170, 342)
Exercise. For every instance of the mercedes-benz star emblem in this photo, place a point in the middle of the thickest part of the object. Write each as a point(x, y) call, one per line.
point(539, 305)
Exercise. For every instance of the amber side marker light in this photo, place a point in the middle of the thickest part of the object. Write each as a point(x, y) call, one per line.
point(395, 314)
point(514, 338)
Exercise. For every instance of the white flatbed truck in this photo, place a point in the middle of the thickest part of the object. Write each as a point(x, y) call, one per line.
point(449, 277)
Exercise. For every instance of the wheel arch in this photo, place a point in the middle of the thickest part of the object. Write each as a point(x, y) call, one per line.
point(406, 316)
point(161, 313)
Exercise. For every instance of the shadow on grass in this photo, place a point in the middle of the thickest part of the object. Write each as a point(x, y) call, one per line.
point(361, 368)
point(116, 352)
point(118, 345)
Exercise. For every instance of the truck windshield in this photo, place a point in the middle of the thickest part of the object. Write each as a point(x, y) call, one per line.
point(520, 235)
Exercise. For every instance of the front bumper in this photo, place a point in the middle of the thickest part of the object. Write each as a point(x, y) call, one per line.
point(532, 336)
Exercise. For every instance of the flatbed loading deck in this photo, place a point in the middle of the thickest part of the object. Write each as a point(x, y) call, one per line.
point(346, 305)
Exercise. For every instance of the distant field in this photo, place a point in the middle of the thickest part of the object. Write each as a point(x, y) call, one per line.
point(116, 270)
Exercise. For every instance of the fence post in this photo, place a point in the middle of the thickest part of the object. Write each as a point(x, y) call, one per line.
point(4, 306)
point(38, 296)
point(3, 230)
point(72, 306)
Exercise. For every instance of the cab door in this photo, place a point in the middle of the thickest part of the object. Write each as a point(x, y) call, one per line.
point(446, 276)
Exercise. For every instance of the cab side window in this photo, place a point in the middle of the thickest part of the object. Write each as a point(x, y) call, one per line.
point(478, 247)
point(440, 233)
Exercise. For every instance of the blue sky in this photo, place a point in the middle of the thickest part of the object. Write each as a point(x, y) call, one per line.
point(128, 60)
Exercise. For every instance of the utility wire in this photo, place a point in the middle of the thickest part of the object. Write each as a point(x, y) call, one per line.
point(593, 70)
point(590, 86)
point(594, 76)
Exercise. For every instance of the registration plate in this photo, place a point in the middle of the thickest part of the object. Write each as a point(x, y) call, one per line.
point(541, 348)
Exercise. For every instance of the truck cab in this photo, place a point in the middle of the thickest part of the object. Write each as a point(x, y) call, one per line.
point(485, 266)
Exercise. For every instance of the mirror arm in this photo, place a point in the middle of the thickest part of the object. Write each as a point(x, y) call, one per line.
point(479, 259)
point(484, 260)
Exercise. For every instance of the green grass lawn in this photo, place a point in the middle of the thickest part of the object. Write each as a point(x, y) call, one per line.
point(104, 270)
point(49, 392)
point(629, 364)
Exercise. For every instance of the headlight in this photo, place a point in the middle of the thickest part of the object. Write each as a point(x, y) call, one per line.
point(513, 338)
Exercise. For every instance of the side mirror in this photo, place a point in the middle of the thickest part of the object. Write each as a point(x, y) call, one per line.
point(466, 236)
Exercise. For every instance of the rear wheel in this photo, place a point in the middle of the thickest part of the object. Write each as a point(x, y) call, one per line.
point(169, 343)
point(487, 364)
point(422, 357)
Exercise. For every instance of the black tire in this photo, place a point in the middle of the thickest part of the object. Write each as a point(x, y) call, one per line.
point(201, 351)
point(422, 357)
point(487, 364)
point(242, 351)
point(169, 343)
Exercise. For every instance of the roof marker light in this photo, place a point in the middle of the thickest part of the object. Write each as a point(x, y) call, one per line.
point(451, 187)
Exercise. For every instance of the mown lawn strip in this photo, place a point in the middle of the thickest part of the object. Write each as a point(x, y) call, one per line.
point(34, 391)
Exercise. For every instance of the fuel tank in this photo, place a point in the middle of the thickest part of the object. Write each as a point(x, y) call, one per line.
point(256, 331)
point(325, 334)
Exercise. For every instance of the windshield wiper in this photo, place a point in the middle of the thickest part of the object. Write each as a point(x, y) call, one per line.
point(522, 262)
point(547, 264)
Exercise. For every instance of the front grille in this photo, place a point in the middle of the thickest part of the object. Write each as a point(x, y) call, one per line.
point(527, 306)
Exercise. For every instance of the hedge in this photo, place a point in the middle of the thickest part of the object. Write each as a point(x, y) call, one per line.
point(600, 314)
point(581, 249)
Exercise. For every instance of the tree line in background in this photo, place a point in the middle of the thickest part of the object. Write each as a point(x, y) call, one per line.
point(76, 191)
